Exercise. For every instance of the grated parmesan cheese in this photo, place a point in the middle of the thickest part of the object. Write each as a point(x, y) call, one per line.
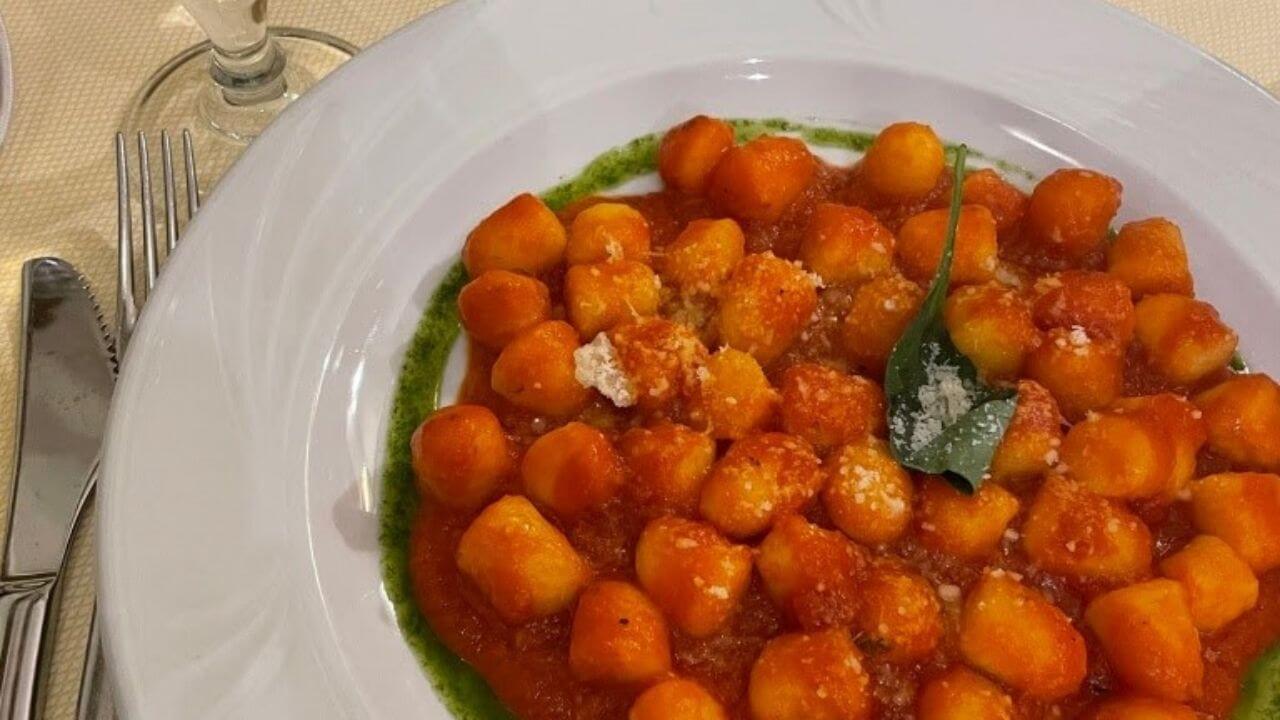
point(943, 400)
point(1006, 276)
point(595, 365)
point(1078, 336)
point(949, 593)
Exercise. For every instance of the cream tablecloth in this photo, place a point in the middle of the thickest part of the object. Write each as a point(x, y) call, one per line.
point(77, 63)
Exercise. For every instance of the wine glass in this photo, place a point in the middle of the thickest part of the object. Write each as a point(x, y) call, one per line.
point(227, 89)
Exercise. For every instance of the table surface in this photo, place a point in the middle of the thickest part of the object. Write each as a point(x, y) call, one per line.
point(76, 66)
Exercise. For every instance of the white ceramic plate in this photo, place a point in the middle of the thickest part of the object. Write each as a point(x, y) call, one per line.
point(238, 543)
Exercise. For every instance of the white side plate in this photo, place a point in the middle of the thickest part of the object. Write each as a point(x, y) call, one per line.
point(6, 82)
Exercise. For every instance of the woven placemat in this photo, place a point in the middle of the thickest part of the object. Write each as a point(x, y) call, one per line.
point(77, 64)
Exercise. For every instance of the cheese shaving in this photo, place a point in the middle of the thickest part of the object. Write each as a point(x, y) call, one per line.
point(595, 365)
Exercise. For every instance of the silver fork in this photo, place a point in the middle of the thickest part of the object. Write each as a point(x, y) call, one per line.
point(129, 301)
point(95, 701)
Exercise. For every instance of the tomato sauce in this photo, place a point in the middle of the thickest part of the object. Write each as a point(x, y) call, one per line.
point(527, 665)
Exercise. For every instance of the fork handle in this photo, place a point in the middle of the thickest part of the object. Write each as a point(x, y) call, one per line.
point(96, 701)
point(25, 626)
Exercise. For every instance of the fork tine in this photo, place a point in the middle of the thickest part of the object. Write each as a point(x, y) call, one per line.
point(148, 215)
point(193, 184)
point(127, 308)
point(170, 194)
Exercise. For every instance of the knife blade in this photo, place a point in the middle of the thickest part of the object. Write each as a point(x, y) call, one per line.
point(66, 379)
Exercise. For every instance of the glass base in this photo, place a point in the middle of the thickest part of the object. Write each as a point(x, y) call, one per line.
point(182, 94)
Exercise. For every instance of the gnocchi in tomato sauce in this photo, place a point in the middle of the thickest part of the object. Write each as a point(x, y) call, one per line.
point(665, 489)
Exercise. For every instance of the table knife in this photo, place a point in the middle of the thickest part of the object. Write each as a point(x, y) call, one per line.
point(65, 385)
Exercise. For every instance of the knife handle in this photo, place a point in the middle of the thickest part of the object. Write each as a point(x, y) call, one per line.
point(24, 627)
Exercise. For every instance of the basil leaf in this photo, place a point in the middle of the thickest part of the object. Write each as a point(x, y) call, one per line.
point(943, 418)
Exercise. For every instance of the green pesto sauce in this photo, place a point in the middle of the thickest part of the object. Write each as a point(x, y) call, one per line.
point(609, 169)
point(462, 690)
point(1260, 693)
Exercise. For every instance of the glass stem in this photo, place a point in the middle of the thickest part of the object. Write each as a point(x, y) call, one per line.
point(250, 78)
point(248, 65)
